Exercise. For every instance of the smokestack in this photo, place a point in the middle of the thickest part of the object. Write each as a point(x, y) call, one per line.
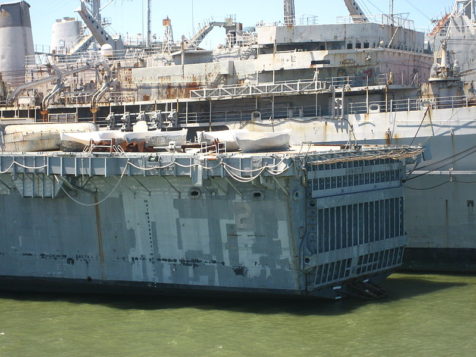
point(16, 41)
point(289, 13)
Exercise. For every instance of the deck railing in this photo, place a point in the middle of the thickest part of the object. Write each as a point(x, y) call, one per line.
point(279, 112)
point(259, 89)
point(409, 105)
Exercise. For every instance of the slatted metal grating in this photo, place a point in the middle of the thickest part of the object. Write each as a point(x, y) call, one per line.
point(355, 225)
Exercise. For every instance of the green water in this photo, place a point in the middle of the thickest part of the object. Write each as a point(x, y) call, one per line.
point(425, 315)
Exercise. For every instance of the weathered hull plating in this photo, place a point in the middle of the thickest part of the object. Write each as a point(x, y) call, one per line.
point(117, 221)
point(439, 195)
point(441, 221)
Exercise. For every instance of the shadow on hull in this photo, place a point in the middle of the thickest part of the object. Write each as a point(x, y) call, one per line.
point(135, 297)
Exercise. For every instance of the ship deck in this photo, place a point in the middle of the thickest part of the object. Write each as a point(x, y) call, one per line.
point(192, 164)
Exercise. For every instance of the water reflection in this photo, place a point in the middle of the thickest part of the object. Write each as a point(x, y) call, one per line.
point(423, 315)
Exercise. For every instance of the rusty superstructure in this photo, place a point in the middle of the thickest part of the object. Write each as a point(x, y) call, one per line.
point(276, 70)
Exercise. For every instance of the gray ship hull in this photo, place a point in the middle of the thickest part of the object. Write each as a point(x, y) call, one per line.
point(128, 288)
point(441, 222)
point(442, 260)
point(151, 238)
point(121, 221)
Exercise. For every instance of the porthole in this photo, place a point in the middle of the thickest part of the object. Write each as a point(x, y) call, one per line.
point(257, 195)
point(374, 108)
point(195, 193)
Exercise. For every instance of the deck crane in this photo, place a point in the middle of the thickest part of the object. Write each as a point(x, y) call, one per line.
point(231, 27)
point(357, 14)
point(91, 16)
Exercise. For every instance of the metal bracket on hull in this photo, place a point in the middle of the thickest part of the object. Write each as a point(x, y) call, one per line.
point(4, 188)
point(37, 185)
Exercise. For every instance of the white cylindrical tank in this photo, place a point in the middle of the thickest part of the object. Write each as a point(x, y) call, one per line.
point(16, 41)
point(65, 33)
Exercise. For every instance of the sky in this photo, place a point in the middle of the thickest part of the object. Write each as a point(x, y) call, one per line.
point(128, 16)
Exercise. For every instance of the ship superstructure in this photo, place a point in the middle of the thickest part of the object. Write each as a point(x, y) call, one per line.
point(272, 71)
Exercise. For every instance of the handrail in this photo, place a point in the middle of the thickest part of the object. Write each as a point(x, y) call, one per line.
point(410, 104)
point(259, 89)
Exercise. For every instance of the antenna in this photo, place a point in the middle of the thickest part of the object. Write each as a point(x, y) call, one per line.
point(193, 18)
point(391, 13)
point(472, 11)
point(149, 30)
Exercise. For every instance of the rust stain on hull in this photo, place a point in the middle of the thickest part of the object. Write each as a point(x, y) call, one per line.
point(99, 235)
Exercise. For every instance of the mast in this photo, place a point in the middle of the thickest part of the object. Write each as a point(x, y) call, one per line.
point(168, 43)
point(149, 29)
point(391, 12)
point(472, 11)
point(289, 13)
point(357, 14)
